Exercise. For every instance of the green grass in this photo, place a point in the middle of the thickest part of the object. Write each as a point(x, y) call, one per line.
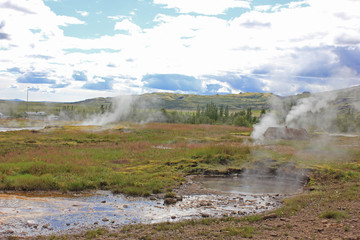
point(243, 231)
point(142, 161)
point(334, 215)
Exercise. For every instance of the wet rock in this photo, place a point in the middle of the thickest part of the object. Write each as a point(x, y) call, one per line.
point(205, 215)
point(9, 232)
point(125, 206)
point(173, 217)
point(96, 223)
point(169, 201)
point(46, 226)
point(105, 220)
point(179, 198)
point(152, 198)
point(103, 201)
point(67, 224)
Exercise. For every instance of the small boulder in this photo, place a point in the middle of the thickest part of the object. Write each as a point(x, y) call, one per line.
point(169, 201)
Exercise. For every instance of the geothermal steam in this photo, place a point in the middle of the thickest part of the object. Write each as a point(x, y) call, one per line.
point(128, 108)
point(311, 113)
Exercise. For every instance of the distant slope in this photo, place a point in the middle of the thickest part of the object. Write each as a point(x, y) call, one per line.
point(345, 99)
point(190, 102)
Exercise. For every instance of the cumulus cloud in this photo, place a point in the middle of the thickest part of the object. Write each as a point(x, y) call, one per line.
point(79, 76)
point(282, 49)
point(127, 25)
point(35, 78)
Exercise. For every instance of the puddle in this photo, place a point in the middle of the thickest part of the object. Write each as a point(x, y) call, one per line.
point(33, 215)
point(252, 184)
point(8, 129)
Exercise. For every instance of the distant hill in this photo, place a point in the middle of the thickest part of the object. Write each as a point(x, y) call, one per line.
point(176, 101)
point(345, 99)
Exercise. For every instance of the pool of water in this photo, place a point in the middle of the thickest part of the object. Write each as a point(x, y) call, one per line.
point(252, 184)
point(32, 215)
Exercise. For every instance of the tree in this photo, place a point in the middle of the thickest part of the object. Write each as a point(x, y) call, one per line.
point(226, 112)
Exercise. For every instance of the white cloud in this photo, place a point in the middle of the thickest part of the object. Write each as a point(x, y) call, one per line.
point(285, 43)
point(83, 13)
point(127, 25)
point(207, 7)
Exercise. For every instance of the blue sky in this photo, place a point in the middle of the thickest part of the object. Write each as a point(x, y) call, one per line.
point(70, 50)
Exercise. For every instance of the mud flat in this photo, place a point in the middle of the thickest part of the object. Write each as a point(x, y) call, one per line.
point(45, 214)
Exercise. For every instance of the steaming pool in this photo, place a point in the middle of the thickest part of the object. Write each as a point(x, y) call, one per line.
point(253, 184)
point(46, 214)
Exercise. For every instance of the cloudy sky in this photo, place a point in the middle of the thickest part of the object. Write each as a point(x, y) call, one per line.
point(70, 50)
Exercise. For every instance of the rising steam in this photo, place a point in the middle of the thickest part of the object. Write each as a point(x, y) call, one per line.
point(314, 113)
point(128, 108)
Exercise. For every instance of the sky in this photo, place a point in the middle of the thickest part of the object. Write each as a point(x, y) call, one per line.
point(71, 50)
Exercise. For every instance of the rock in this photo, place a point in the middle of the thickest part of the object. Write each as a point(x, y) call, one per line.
point(205, 215)
point(96, 223)
point(179, 198)
point(105, 220)
point(269, 216)
point(68, 224)
point(9, 232)
point(273, 234)
point(46, 226)
point(169, 201)
point(103, 201)
point(125, 206)
point(152, 198)
point(173, 217)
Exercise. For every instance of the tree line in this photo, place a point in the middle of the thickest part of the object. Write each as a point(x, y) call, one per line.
point(213, 114)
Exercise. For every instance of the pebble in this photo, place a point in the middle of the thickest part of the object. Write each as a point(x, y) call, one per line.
point(205, 215)
point(105, 220)
point(173, 217)
point(103, 201)
point(125, 206)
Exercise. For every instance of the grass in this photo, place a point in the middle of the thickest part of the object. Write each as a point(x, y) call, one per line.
point(74, 158)
point(334, 215)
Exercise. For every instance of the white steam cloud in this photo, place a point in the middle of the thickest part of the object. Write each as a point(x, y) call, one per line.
point(128, 108)
point(312, 113)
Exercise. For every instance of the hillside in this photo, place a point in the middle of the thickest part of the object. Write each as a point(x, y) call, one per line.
point(345, 99)
point(190, 101)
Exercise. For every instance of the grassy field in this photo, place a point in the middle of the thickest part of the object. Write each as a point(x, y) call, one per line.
point(142, 160)
point(136, 159)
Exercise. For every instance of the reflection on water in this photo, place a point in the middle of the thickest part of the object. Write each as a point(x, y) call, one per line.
point(31, 215)
point(251, 184)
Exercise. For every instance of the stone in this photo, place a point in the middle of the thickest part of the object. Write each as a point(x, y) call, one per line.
point(173, 217)
point(103, 201)
point(169, 201)
point(205, 215)
point(125, 206)
point(152, 198)
point(105, 220)
point(46, 226)
point(68, 224)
